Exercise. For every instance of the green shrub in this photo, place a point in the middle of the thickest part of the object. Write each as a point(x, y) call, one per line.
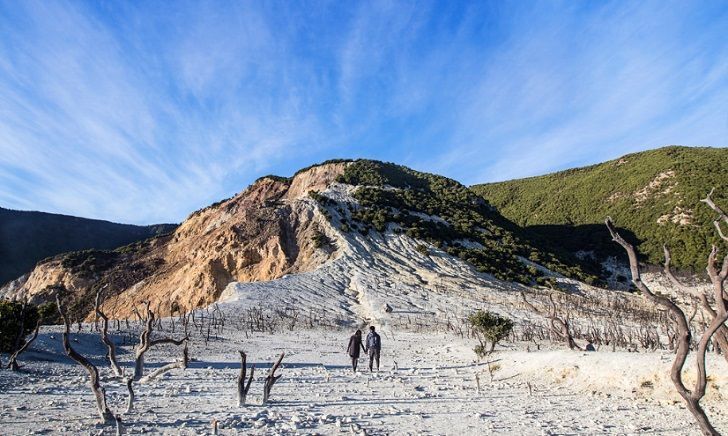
point(489, 327)
point(48, 313)
point(320, 198)
point(11, 316)
point(320, 240)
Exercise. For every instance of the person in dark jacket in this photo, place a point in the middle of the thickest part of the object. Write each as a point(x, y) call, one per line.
point(374, 345)
point(355, 345)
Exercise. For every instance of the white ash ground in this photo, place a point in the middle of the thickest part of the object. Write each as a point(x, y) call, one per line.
point(433, 391)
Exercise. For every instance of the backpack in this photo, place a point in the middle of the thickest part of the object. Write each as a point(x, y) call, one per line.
point(374, 341)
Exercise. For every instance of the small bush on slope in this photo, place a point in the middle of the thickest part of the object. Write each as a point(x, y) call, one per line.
point(489, 327)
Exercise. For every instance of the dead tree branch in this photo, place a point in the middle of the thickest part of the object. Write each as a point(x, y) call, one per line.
point(722, 216)
point(111, 348)
point(242, 387)
point(692, 398)
point(145, 343)
point(271, 379)
point(721, 335)
point(107, 417)
point(13, 362)
point(560, 327)
point(182, 364)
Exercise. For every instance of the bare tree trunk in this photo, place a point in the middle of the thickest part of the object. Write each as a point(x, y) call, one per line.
point(722, 216)
point(13, 362)
point(145, 343)
point(692, 398)
point(271, 379)
point(242, 387)
point(182, 364)
point(721, 335)
point(105, 414)
point(111, 348)
point(130, 389)
point(159, 371)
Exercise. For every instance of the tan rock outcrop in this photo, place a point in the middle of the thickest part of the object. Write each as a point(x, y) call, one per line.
point(262, 233)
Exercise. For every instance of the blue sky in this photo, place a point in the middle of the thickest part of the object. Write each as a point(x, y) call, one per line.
point(142, 112)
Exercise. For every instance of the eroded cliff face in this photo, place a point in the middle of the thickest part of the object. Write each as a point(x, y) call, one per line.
point(263, 233)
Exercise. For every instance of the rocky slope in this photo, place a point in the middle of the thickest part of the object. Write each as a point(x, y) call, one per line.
point(265, 232)
point(344, 235)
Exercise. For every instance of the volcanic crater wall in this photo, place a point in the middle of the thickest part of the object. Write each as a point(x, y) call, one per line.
point(262, 233)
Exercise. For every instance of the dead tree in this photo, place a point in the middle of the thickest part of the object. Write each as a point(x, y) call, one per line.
point(13, 362)
point(692, 397)
point(130, 401)
point(721, 335)
point(111, 348)
point(560, 327)
point(722, 216)
point(145, 343)
point(242, 387)
point(181, 364)
point(271, 379)
point(107, 417)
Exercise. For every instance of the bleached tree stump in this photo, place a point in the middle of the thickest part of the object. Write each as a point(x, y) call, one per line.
point(242, 386)
point(271, 379)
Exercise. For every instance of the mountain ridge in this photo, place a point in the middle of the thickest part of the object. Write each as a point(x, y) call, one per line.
point(655, 194)
point(280, 226)
point(27, 237)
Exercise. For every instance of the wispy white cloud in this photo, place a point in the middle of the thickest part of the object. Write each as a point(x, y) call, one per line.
point(95, 133)
point(144, 112)
point(574, 89)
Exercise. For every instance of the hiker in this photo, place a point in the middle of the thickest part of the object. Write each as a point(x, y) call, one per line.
point(353, 349)
point(374, 345)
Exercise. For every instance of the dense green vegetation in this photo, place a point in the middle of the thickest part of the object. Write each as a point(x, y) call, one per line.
point(643, 192)
point(13, 315)
point(28, 237)
point(88, 263)
point(445, 213)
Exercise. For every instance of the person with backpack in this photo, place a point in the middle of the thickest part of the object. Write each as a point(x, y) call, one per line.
point(374, 347)
point(355, 345)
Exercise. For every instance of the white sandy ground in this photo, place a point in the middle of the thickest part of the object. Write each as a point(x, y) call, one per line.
point(433, 391)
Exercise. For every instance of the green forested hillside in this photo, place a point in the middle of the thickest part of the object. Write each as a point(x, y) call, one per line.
point(28, 237)
point(389, 193)
point(654, 194)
